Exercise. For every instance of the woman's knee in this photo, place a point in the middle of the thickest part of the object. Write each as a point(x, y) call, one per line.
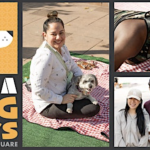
point(96, 109)
point(56, 112)
point(91, 110)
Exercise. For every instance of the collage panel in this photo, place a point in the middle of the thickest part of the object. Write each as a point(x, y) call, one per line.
point(131, 93)
point(131, 111)
point(132, 36)
point(66, 68)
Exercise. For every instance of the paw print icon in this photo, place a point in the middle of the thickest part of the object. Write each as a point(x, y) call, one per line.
point(6, 37)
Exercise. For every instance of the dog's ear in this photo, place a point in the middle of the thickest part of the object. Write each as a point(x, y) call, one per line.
point(78, 78)
point(96, 80)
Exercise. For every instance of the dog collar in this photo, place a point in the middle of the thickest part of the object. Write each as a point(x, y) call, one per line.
point(78, 89)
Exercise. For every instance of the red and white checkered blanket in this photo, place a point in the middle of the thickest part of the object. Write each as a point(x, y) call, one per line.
point(95, 126)
point(142, 67)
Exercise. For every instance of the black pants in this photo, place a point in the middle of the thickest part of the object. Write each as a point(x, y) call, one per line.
point(81, 109)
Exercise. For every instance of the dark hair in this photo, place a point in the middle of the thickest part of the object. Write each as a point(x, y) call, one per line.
point(52, 17)
point(116, 80)
point(140, 117)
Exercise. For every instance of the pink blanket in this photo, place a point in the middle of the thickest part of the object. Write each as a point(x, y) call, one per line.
point(142, 67)
point(95, 126)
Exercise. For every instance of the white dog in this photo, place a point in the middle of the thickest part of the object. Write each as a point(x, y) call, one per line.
point(82, 86)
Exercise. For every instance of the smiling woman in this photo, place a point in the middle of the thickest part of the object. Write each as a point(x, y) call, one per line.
point(51, 68)
point(131, 123)
point(133, 103)
point(53, 31)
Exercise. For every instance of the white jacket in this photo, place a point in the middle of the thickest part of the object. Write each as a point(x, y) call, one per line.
point(48, 76)
point(127, 134)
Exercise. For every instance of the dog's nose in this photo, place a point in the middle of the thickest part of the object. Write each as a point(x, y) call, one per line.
point(90, 86)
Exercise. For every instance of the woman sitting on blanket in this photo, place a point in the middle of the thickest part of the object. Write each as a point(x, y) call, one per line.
point(48, 75)
point(131, 37)
point(131, 125)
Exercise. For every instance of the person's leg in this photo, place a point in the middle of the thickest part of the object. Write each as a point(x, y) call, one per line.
point(129, 38)
point(84, 108)
point(81, 109)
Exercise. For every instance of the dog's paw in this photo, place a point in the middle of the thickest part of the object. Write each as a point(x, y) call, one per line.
point(69, 110)
point(95, 102)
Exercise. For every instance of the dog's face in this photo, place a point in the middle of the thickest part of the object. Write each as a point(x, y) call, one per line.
point(88, 82)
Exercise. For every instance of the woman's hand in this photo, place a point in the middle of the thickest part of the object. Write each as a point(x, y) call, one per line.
point(68, 98)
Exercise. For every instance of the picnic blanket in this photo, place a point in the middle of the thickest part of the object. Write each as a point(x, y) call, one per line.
point(142, 67)
point(97, 126)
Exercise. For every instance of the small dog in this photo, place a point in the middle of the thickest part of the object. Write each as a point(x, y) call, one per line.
point(82, 86)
